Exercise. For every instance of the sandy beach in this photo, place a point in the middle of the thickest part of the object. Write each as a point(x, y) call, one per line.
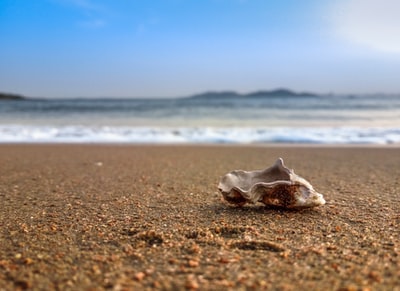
point(102, 217)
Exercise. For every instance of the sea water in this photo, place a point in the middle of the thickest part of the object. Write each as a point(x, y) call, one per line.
point(370, 119)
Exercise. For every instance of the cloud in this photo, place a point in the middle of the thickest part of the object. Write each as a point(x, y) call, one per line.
point(82, 4)
point(92, 12)
point(372, 23)
point(144, 26)
point(93, 23)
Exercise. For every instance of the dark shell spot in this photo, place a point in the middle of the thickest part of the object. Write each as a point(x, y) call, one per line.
point(281, 195)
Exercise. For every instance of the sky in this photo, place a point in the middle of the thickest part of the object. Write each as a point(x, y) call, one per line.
point(173, 48)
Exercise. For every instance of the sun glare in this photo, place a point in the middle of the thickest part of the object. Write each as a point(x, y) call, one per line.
point(372, 23)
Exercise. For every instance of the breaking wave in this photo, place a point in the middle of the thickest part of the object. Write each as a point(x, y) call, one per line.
point(195, 135)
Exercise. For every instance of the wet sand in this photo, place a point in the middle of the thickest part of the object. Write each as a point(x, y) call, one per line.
point(94, 217)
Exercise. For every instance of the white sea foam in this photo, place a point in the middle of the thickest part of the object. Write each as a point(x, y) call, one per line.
point(213, 135)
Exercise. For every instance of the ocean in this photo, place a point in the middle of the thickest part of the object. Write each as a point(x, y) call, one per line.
point(369, 119)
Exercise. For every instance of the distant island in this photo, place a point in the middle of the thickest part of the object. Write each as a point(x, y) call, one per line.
point(262, 93)
point(10, 96)
point(281, 93)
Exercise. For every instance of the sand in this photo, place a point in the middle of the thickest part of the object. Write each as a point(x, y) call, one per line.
point(94, 217)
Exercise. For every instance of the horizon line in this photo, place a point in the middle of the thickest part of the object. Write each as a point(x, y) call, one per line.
point(227, 91)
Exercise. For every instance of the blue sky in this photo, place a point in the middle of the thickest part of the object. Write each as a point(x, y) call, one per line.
point(161, 48)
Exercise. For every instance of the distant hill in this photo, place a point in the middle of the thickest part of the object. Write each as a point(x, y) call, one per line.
point(281, 93)
point(213, 94)
point(262, 93)
point(10, 96)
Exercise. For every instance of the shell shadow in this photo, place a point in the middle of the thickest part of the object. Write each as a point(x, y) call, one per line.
point(262, 210)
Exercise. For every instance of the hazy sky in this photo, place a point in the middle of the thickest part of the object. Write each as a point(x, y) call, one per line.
point(140, 48)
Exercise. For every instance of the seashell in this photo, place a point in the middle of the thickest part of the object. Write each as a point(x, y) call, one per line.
point(275, 186)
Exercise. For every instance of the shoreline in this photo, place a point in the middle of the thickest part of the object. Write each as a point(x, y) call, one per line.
point(107, 216)
point(234, 145)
